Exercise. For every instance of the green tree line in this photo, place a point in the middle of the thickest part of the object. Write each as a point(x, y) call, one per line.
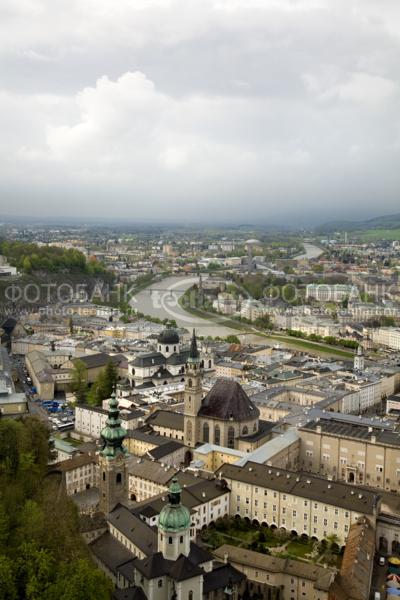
point(328, 339)
point(100, 390)
point(42, 555)
point(29, 257)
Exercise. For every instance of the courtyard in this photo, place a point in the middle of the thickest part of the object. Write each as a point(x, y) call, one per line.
point(267, 540)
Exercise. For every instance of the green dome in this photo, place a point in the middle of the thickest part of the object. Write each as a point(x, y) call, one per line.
point(113, 434)
point(174, 517)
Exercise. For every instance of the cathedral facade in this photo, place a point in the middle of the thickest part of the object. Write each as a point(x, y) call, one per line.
point(221, 417)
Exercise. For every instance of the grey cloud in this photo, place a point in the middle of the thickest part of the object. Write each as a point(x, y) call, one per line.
point(243, 109)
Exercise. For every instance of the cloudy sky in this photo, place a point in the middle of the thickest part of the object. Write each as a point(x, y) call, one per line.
point(190, 110)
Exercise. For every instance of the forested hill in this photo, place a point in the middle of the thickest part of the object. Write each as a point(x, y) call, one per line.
point(49, 275)
point(29, 258)
point(386, 221)
point(42, 555)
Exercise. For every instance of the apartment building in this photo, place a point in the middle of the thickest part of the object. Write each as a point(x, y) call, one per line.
point(79, 473)
point(90, 420)
point(387, 336)
point(206, 500)
point(356, 453)
point(229, 369)
point(323, 292)
point(300, 503)
point(148, 478)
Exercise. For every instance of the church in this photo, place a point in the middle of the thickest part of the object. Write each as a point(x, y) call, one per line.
point(223, 416)
point(166, 363)
point(152, 563)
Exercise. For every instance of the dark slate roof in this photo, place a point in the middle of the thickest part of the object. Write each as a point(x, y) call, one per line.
point(153, 566)
point(110, 552)
point(178, 358)
point(161, 451)
point(100, 359)
point(127, 571)
point(198, 555)
point(168, 336)
point(304, 485)
point(148, 359)
point(8, 325)
point(228, 400)
point(132, 527)
point(162, 373)
point(183, 568)
point(220, 576)
point(264, 427)
point(166, 418)
point(133, 593)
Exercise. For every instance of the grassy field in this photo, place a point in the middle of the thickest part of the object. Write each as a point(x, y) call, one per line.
point(299, 343)
point(292, 342)
point(374, 235)
point(264, 540)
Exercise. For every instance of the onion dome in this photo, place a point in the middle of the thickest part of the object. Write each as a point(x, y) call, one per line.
point(168, 336)
point(174, 516)
point(113, 433)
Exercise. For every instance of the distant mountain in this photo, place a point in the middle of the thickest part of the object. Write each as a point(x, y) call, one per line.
point(384, 222)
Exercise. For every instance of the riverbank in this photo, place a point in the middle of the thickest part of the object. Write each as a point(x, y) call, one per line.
point(285, 340)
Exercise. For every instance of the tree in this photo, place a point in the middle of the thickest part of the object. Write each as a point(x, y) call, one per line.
point(79, 381)
point(232, 339)
point(42, 555)
point(104, 385)
point(26, 265)
point(77, 580)
point(71, 325)
point(4, 527)
point(8, 588)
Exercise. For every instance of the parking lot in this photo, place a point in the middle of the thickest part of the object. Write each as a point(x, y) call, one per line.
point(58, 415)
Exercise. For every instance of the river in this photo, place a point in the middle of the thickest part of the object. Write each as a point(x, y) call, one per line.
point(311, 251)
point(161, 300)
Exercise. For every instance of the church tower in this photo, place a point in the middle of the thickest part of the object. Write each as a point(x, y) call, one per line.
point(359, 360)
point(193, 394)
point(113, 460)
point(174, 525)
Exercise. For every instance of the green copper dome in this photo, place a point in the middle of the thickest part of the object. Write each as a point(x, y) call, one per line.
point(113, 434)
point(174, 517)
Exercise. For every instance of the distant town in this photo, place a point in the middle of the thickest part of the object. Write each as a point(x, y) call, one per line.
point(222, 406)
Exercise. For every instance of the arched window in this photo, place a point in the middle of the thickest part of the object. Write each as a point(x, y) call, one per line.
point(231, 437)
point(209, 364)
point(217, 435)
point(245, 430)
point(104, 475)
point(160, 583)
point(159, 347)
point(189, 430)
point(166, 348)
point(119, 478)
point(181, 539)
point(190, 383)
point(174, 348)
point(190, 595)
point(170, 540)
point(206, 433)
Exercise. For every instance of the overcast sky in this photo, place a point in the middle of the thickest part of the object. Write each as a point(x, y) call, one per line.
point(190, 110)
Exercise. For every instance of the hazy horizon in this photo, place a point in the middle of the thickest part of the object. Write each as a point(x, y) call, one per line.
point(281, 112)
